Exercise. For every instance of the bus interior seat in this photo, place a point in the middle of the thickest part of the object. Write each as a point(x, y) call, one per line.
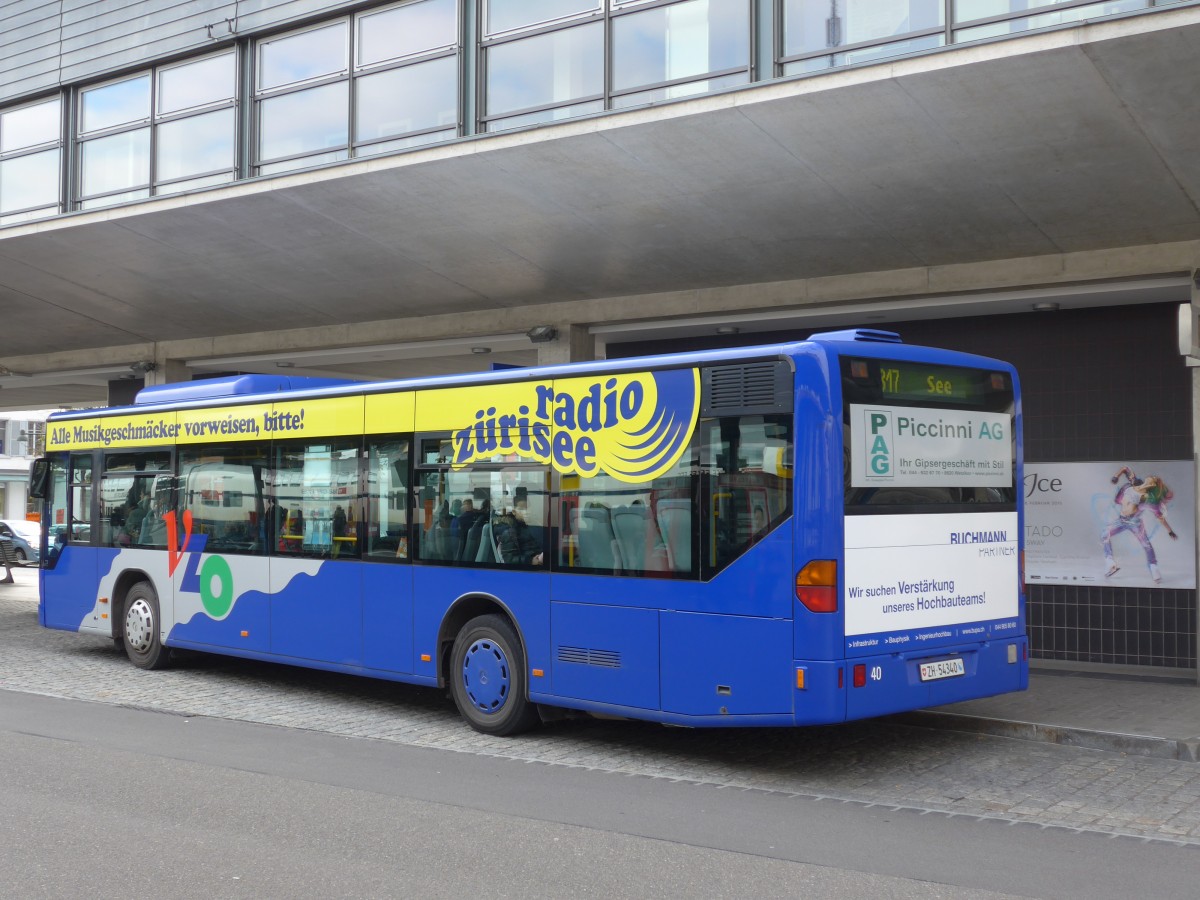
point(474, 540)
point(638, 538)
point(597, 546)
point(487, 551)
point(675, 520)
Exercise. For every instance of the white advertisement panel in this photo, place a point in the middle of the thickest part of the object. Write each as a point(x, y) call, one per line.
point(919, 573)
point(904, 446)
point(1126, 524)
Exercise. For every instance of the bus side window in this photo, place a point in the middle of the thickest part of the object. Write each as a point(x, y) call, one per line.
point(748, 465)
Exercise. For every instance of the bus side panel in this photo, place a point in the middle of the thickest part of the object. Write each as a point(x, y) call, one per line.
point(725, 665)
point(317, 616)
point(526, 595)
point(223, 601)
point(387, 609)
point(150, 565)
point(69, 589)
point(757, 583)
point(607, 654)
point(817, 500)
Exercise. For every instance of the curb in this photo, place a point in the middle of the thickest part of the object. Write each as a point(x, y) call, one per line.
point(1184, 750)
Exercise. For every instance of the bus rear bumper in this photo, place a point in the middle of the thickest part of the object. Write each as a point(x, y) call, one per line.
point(900, 682)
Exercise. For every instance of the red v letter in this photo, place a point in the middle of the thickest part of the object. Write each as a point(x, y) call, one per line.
point(174, 551)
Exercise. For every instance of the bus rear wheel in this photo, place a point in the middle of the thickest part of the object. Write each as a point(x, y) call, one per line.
point(488, 678)
point(140, 632)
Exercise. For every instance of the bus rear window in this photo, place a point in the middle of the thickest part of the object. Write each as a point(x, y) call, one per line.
point(920, 436)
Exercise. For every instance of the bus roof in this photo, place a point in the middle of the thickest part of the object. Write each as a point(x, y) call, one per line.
point(238, 389)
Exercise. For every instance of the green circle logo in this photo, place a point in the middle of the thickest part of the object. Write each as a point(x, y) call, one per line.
point(217, 603)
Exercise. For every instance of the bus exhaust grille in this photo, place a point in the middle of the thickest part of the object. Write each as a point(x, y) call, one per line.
point(757, 387)
point(609, 659)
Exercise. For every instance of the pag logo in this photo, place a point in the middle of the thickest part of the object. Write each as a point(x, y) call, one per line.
point(632, 426)
point(879, 443)
point(214, 580)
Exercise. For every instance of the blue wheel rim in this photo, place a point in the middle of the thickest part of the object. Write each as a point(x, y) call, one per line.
point(485, 675)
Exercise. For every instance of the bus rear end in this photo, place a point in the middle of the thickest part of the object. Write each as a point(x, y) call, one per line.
point(932, 593)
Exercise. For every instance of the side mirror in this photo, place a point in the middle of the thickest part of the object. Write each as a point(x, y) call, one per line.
point(39, 478)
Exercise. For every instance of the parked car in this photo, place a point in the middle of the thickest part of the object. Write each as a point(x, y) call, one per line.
point(26, 538)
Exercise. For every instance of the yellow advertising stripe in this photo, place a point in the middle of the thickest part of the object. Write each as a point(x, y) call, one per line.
point(223, 424)
point(272, 421)
point(449, 409)
point(388, 413)
point(141, 430)
point(213, 425)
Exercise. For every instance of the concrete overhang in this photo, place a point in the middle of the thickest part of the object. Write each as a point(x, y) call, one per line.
point(1072, 141)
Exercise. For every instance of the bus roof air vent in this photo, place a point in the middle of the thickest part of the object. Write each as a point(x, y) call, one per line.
point(859, 334)
point(231, 386)
point(746, 389)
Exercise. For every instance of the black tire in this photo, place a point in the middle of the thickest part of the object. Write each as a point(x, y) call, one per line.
point(140, 628)
point(21, 556)
point(488, 679)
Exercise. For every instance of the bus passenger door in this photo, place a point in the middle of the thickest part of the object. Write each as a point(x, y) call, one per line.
point(71, 568)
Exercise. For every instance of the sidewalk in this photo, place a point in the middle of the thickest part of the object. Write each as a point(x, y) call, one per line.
point(1125, 714)
point(1139, 716)
point(25, 584)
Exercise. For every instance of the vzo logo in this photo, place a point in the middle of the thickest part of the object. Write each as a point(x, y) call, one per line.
point(879, 444)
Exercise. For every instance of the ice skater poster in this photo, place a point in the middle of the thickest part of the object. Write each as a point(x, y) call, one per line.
point(1127, 523)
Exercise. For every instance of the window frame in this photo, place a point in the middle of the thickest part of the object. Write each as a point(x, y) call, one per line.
point(353, 503)
point(154, 186)
point(608, 12)
point(442, 467)
point(404, 540)
point(29, 213)
point(352, 148)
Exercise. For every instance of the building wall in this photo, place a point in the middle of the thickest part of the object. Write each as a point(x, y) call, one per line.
point(1098, 385)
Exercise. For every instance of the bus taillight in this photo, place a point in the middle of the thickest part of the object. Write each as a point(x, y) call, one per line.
point(816, 585)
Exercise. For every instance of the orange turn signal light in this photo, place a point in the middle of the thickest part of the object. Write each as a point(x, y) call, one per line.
point(816, 586)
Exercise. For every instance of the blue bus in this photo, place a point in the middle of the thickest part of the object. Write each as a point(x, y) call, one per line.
point(803, 533)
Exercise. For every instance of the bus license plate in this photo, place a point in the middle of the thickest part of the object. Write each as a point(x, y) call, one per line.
point(943, 668)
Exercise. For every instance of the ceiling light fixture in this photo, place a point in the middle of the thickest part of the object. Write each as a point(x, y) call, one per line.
point(540, 334)
point(1045, 307)
point(480, 351)
point(727, 329)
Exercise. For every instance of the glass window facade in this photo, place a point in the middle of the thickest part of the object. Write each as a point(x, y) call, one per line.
point(506, 15)
point(559, 63)
point(313, 107)
point(158, 132)
point(30, 161)
point(558, 68)
point(685, 40)
point(396, 76)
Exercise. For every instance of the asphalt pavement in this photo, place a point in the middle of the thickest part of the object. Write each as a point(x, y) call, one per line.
point(1132, 714)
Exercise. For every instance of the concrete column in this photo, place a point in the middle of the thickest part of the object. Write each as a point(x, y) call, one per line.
point(574, 343)
point(168, 371)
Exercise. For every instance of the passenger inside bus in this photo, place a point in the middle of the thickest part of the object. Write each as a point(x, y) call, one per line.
point(517, 543)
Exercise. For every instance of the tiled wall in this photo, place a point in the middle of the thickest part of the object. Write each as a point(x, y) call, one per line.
point(1099, 384)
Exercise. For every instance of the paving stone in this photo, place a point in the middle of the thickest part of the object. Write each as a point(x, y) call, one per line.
point(879, 762)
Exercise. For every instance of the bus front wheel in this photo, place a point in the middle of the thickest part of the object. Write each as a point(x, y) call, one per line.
point(488, 678)
point(143, 644)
